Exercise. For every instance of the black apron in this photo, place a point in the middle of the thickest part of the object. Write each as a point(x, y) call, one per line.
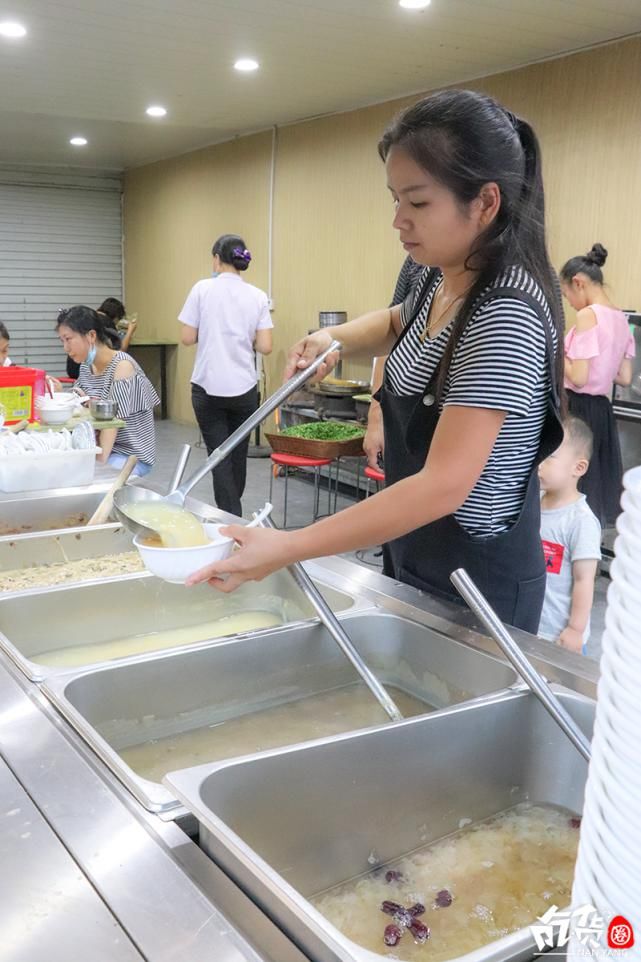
point(508, 568)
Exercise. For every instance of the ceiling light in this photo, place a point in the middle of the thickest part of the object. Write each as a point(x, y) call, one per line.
point(79, 141)
point(11, 29)
point(414, 4)
point(156, 111)
point(246, 65)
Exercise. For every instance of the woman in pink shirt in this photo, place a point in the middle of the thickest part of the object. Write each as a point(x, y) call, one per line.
point(598, 352)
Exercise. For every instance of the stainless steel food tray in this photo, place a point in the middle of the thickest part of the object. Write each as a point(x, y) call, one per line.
point(111, 609)
point(288, 824)
point(71, 544)
point(46, 510)
point(141, 700)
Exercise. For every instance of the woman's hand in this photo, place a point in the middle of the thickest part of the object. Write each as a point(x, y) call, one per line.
point(374, 440)
point(307, 350)
point(261, 552)
point(571, 639)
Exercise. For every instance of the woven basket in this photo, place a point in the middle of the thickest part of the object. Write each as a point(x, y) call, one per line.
point(309, 448)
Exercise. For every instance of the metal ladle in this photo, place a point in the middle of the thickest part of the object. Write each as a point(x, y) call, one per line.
point(336, 630)
point(537, 683)
point(133, 494)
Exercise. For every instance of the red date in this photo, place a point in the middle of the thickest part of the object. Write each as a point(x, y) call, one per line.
point(391, 908)
point(419, 930)
point(443, 899)
point(392, 935)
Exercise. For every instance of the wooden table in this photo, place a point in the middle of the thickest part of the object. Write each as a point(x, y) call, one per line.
point(162, 354)
point(73, 422)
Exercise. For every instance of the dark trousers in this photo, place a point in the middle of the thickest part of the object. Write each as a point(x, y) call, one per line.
point(218, 417)
point(602, 484)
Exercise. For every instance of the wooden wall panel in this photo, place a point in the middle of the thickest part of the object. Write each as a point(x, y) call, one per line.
point(174, 210)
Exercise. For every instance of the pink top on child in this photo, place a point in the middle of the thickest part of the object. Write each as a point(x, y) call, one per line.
point(604, 346)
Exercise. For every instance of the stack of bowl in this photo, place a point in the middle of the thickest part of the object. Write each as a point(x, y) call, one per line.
point(607, 872)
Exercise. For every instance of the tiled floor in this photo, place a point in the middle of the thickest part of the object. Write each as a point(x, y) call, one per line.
point(170, 437)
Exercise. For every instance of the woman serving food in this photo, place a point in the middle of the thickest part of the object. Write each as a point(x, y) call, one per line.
point(471, 392)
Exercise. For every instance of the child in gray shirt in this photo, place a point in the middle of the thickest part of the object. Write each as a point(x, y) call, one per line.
point(571, 537)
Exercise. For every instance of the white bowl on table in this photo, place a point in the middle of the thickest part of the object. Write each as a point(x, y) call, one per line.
point(55, 415)
point(177, 564)
point(57, 409)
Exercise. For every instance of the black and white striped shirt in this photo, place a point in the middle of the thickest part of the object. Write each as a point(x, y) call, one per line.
point(499, 363)
point(136, 399)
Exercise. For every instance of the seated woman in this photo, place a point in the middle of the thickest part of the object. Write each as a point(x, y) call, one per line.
point(116, 312)
point(108, 373)
point(113, 311)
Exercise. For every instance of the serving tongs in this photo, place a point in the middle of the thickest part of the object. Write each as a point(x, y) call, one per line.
point(336, 630)
point(481, 607)
point(132, 494)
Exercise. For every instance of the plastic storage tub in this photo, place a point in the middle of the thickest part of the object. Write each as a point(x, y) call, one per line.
point(53, 469)
point(19, 388)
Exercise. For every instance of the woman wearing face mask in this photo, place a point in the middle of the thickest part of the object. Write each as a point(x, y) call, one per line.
point(470, 395)
point(108, 373)
point(598, 352)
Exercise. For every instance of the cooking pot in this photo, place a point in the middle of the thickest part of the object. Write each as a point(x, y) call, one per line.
point(331, 318)
point(341, 388)
point(101, 410)
point(362, 403)
point(334, 405)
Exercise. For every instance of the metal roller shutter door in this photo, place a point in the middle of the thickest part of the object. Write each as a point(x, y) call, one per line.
point(59, 245)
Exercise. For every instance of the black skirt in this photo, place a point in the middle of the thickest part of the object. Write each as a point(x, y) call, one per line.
point(603, 482)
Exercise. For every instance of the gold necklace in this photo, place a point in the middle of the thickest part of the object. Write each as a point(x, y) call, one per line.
point(431, 325)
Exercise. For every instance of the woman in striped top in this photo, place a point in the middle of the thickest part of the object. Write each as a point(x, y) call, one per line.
point(471, 392)
point(107, 373)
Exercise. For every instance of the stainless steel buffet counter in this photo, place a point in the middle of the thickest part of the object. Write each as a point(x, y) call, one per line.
point(89, 873)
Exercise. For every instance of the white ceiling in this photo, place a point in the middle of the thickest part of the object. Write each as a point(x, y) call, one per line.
point(92, 66)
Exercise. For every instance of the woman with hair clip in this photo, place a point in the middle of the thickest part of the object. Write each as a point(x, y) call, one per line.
point(470, 394)
point(109, 373)
point(228, 320)
point(598, 352)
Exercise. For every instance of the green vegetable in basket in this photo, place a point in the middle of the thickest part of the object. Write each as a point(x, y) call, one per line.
point(325, 431)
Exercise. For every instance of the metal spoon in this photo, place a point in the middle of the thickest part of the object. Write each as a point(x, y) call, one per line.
point(336, 630)
point(484, 611)
point(130, 494)
point(179, 470)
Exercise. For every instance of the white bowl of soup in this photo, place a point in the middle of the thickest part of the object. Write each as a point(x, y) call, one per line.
point(177, 564)
point(182, 545)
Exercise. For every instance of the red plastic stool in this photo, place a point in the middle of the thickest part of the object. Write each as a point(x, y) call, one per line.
point(373, 474)
point(288, 461)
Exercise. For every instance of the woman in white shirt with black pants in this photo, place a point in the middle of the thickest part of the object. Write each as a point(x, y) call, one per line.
point(228, 320)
